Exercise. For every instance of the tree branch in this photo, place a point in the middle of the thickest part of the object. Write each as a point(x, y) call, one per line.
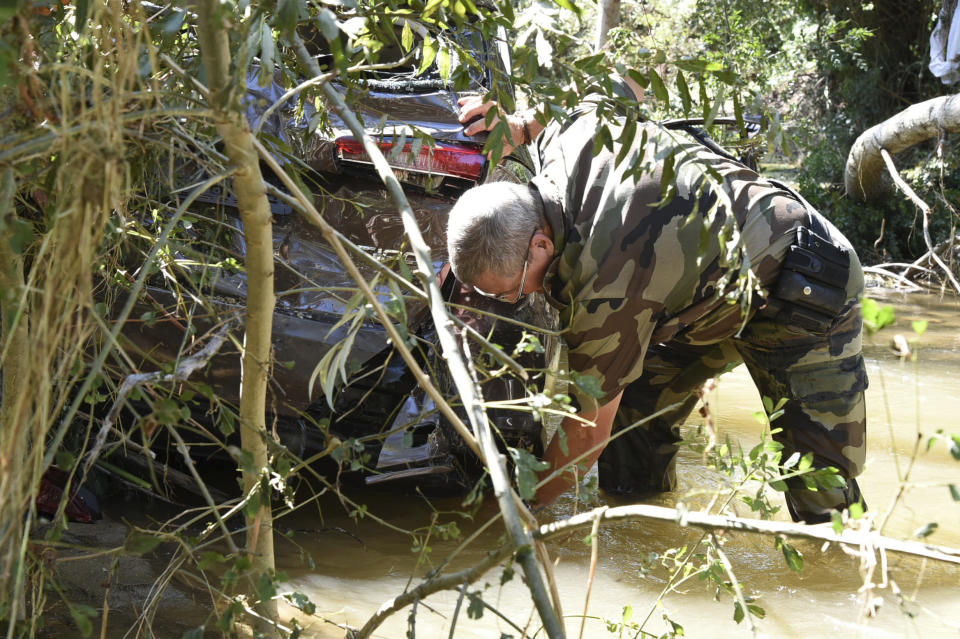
point(863, 175)
point(182, 373)
point(706, 521)
point(925, 209)
point(466, 387)
point(863, 539)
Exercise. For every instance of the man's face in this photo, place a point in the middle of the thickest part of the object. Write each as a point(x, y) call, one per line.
point(503, 289)
point(529, 279)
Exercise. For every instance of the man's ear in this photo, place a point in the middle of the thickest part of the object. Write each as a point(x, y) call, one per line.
point(542, 242)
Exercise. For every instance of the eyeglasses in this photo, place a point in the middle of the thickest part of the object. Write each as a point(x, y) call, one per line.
point(505, 297)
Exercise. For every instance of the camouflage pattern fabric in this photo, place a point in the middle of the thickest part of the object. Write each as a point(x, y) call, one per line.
point(652, 255)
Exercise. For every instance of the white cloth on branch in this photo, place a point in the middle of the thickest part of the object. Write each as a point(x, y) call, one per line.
point(945, 46)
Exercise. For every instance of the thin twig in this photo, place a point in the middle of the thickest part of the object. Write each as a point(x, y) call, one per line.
point(925, 209)
point(456, 611)
point(594, 554)
point(738, 593)
point(185, 453)
point(882, 272)
point(430, 586)
point(101, 358)
point(465, 384)
point(187, 367)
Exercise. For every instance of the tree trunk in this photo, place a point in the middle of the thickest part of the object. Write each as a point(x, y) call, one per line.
point(865, 172)
point(258, 234)
point(608, 17)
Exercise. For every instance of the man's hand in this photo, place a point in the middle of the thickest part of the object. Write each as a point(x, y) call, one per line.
point(523, 127)
point(581, 438)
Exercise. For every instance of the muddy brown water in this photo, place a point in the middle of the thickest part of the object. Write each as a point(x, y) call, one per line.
point(357, 566)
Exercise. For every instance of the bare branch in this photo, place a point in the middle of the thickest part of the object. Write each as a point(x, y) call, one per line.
point(924, 121)
point(466, 386)
point(187, 367)
point(925, 208)
point(865, 538)
point(430, 586)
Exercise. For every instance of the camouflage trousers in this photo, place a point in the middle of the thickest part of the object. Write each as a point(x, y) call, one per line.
point(822, 377)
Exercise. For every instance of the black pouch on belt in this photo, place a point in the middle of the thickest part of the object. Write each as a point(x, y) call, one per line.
point(811, 289)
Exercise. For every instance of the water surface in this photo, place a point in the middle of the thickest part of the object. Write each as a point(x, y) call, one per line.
point(357, 566)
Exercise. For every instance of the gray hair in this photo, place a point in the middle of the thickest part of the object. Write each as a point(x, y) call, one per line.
point(489, 229)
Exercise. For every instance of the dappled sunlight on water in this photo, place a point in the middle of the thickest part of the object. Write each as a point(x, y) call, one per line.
point(359, 566)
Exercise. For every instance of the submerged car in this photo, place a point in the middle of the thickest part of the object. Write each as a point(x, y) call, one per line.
point(393, 427)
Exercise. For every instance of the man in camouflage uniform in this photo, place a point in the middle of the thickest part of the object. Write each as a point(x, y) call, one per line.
point(668, 268)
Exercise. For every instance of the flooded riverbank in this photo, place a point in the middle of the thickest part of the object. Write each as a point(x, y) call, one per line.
point(359, 566)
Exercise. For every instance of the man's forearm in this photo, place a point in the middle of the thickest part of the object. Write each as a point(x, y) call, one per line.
point(584, 443)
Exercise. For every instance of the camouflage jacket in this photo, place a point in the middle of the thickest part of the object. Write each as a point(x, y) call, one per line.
point(653, 248)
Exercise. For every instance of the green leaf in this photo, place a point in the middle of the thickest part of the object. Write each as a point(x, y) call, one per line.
point(926, 530)
point(443, 63)
point(638, 77)
point(286, 17)
point(252, 506)
point(80, 21)
point(954, 492)
point(659, 88)
point(173, 23)
point(767, 404)
point(138, 543)
point(226, 423)
point(568, 5)
point(406, 37)
point(668, 174)
point(327, 21)
point(627, 614)
point(791, 460)
point(793, 556)
point(64, 459)
point(589, 385)
point(526, 468)
point(684, 90)
point(268, 51)
point(266, 588)
point(737, 612)
point(837, 521)
point(856, 510)
point(475, 609)
point(805, 462)
point(602, 139)
point(82, 616)
point(726, 76)
point(919, 326)
point(626, 140)
point(714, 110)
point(167, 411)
point(431, 7)
point(876, 317)
point(301, 601)
point(429, 50)
point(210, 559)
point(778, 485)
